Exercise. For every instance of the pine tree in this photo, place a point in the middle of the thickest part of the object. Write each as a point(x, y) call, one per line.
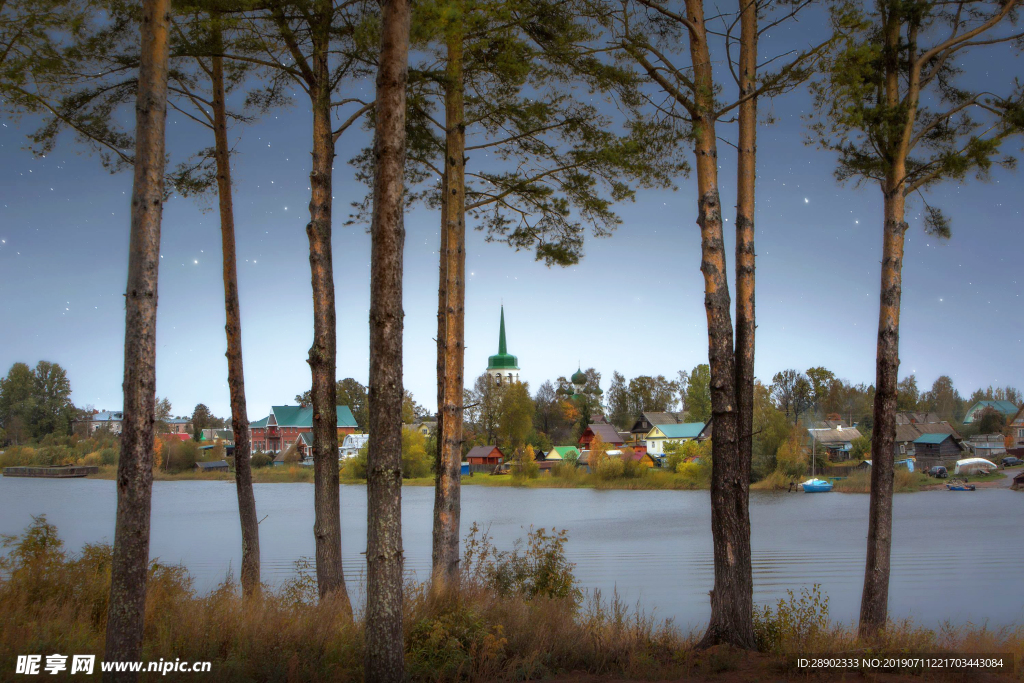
point(130, 560)
point(896, 109)
point(384, 655)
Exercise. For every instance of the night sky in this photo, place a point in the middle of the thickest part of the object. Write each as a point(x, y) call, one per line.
point(634, 304)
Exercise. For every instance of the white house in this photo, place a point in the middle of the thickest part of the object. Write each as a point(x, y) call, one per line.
point(661, 434)
point(351, 445)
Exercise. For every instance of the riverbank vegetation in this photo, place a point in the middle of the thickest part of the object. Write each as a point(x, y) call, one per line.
point(519, 615)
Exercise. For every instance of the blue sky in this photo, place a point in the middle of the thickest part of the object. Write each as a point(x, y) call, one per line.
point(634, 304)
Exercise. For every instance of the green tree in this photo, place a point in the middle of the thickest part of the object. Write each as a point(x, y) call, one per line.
point(17, 402)
point(52, 410)
point(516, 415)
point(698, 394)
point(162, 415)
point(907, 394)
point(771, 430)
point(821, 380)
point(944, 399)
point(792, 393)
point(202, 419)
point(897, 103)
point(415, 459)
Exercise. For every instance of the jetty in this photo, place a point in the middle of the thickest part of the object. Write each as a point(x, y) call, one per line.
point(59, 472)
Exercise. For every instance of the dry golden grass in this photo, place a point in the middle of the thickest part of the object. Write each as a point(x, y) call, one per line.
point(517, 616)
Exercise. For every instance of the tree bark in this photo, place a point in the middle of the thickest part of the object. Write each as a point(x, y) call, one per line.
point(250, 574)
point(874, 604)
point(875, 598)
point(323, 353)
point(130, 563)
point(731, 622)
point(451, 326)
point(384, 651)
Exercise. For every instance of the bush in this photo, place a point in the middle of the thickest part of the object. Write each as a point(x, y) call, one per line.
point(415, 461)
point(180, 456)
point(794, 625)
point(541, 569)
point(260, 459)
point(355, 467)
point(610, 468)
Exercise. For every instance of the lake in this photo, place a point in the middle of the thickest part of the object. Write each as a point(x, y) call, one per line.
point(955, 555)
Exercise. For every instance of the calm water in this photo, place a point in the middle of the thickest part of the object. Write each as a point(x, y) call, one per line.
point(654, 547)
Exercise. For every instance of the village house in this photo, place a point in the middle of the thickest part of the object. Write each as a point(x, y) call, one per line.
point(213, 466)
point(279, 430)
point(910, 426)
point(988, 446)
point(424, 428)
point(1017, 429)
point(179, 425)
point(837, 441)
point(601, 430)
point(936, 449)
point(662, 434)
point(351, 445)
point(563, 453)
point(1006, 408)
point(103, 419)
point(484, 458)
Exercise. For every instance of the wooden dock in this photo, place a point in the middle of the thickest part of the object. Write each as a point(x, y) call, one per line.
point(65, 472)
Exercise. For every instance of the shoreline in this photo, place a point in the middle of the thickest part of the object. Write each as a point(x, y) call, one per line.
point(654, 481)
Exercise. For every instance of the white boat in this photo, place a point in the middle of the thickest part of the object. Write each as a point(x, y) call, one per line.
point(974, 465)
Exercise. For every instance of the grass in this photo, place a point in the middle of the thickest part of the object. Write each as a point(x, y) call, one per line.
point(517, 616)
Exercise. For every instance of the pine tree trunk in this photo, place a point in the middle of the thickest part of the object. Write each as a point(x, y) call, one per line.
point(130, 563)
point(323, 353)
point(250, 574)
point(875, 598)
point(746, 166)
point(384, 651)
point(731, 621)
point(451, 316)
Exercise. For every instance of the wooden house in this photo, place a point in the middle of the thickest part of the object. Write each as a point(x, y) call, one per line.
point(935, 449)
point(484, 458)
point(661, 434)
point(563, 453)
point(605, 431)
point(1017, 429)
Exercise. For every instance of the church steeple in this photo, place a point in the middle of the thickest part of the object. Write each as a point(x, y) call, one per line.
point(503, 366)
point(502, 349)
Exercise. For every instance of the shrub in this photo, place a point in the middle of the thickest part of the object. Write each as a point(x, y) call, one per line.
point(797, 624)
point(540, 569)
point(415, 461)
point(610, 468)
point(355, 467)
point(260, 459)
point(180, 456)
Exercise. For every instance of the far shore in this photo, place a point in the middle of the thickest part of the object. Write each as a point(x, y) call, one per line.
point(651, 481)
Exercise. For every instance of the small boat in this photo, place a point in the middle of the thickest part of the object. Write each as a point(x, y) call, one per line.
point(958, 485)
point(817, 486)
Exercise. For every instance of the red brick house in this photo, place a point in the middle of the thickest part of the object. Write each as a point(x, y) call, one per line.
point(283, 427)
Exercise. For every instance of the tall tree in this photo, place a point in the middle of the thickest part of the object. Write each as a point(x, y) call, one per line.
point(897, 111)
point(17, 402)
point(130, 561)
point(384, 658)
point(559, 156)
point(907, 394)
point(52, 410)
point(698, 394)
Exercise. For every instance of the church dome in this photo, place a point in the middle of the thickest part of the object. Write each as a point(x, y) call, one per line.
point(578, 377)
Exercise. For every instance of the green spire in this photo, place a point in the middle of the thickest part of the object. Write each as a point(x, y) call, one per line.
point(503, 359)
point(502, 349)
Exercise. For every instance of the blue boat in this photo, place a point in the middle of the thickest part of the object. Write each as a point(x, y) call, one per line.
point(957, 485)
point(817, 486)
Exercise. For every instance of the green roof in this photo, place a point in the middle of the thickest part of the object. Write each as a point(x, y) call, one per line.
point(932, 438)
point(503, 360)
point(565, 450)
point(299, 416)
point(686, 430)
point(258, 424)
point(1007, 408)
